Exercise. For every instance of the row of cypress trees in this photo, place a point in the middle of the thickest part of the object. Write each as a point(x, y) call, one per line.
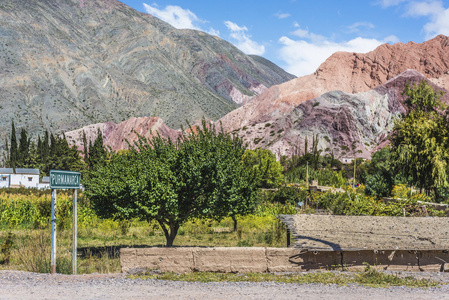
point(52, 152)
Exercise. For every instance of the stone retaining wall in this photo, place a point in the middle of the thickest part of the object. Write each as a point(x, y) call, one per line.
point(257, 259)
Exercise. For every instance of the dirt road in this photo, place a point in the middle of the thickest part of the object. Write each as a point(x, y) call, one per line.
point(25, 285)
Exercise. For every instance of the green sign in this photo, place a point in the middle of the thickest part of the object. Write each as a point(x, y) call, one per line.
point(64, 179)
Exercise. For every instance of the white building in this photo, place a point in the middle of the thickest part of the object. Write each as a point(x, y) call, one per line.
point(28, 178)
point(45, 183)
point(347, 160)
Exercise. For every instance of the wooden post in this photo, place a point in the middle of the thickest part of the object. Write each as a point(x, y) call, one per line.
point(288, 237)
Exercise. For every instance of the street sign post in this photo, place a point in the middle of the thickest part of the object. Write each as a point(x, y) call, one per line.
point(63, 180)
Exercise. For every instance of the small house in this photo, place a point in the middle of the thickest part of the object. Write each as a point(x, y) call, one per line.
point(45, 183)
point(347, 160)
point(28, 178)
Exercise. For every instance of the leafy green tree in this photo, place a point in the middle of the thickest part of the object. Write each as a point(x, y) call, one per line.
point(420, 139)
point(264, 167)
point(199, 175)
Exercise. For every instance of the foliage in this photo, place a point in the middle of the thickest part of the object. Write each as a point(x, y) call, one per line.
point(323, 176)
point(50, 152)
point(263, 167)
point(287, 194)
point(369, 277)
point(355, 203)
point(199, 175)
point(32, 210)
point(6, 248)
point(96, 154)
point(378, 174)
point(378, 185)
point(421, 138)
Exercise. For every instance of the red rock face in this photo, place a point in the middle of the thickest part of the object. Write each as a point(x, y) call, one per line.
point(266, 120)
point(117, 135)
point(350, 73)
point(344, 123)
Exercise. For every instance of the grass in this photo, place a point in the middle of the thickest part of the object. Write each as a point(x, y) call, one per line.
point(99, 244)
point(370, 277)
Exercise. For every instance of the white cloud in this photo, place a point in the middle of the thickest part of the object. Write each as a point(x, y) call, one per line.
point(391, 39)
point(234, 27)
point(280, 15)
point(178, 17)
point(303, 57)
point(435, 11)
point(388, 3)
point(356, 26)
point(243, 40)
point(302, 33)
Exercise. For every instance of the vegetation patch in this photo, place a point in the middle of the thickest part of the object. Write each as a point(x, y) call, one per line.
point(370, 277)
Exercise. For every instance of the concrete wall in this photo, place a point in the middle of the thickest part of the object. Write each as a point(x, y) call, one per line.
point(254, 259)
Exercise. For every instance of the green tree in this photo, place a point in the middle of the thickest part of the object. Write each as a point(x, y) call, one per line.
point(264, 167)
point(85, 149)
point(97, 154)
point(62, 156)
point(199, 175)
point(420, 139)
point(24, 149)
point(7, 160)
point(13, 152)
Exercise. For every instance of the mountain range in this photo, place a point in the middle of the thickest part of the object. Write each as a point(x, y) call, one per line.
point(89, 65)
point(65, 64)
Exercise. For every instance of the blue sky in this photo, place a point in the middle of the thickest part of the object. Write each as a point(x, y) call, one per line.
point(298, 35)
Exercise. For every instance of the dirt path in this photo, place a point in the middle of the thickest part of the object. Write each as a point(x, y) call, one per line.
point(25, 285)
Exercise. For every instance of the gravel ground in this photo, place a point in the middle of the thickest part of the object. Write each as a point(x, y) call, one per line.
point(26, 285)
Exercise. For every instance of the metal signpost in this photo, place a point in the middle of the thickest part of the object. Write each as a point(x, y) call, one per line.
point(63, 180)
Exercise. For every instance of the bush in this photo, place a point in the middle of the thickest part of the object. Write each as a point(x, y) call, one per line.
point(285, 195)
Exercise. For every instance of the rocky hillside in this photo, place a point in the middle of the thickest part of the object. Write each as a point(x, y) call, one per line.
point(345, 123)
point(116, 136)
point(65, 64)
point(350, 73)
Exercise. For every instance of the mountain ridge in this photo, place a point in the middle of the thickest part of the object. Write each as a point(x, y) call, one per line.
point(65, 64)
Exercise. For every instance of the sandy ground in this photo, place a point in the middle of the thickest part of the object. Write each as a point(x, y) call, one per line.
point(369, 232)
point(25, 285)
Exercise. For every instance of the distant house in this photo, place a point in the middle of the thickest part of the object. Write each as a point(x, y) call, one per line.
point(45, 183)
point(28, 178)
point(347, 160)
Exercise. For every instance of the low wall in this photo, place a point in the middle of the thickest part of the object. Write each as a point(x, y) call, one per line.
point(257, 259)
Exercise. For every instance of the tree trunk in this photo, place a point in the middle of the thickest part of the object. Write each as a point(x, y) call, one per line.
point(235, 223)
point(170, 232)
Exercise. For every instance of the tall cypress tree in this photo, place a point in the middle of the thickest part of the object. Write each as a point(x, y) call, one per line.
point(85, 149)
point(24, 149)
point(45, 150)
point(13, 150)
point(97, 152)
point(7, 162)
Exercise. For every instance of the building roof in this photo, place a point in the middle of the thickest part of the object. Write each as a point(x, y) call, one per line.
point(331, 233)
point(45, 179)
point(19, 171)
